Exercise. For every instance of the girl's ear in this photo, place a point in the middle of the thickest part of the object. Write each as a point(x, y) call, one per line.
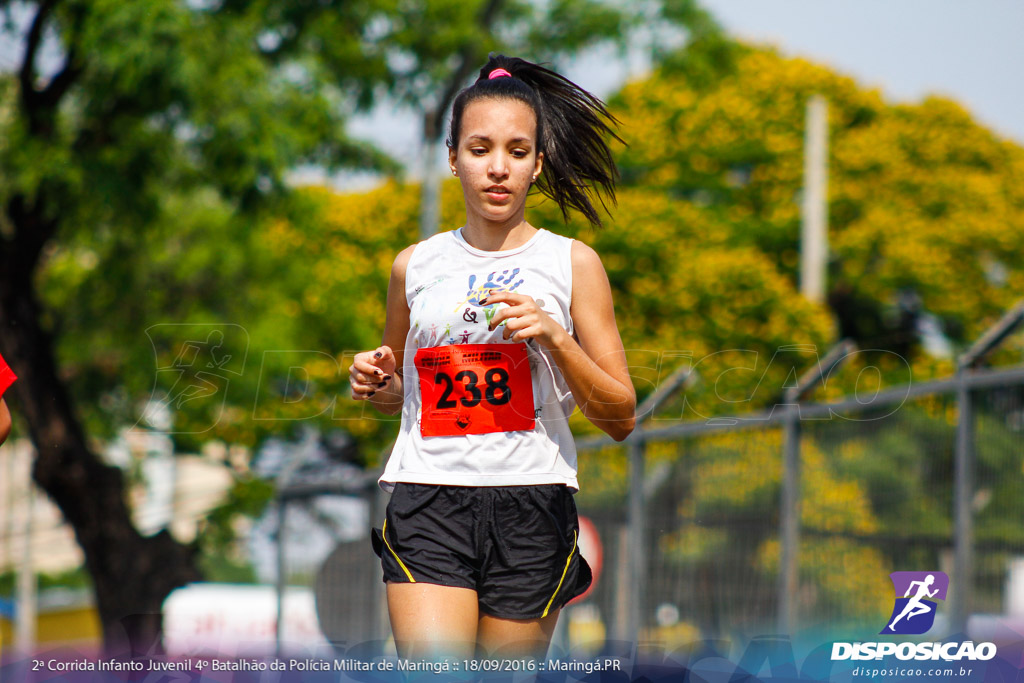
point(538, 166)
point(451, 161)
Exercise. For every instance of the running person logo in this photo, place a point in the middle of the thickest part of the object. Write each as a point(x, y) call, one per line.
point(914, 612)
point(194, 367)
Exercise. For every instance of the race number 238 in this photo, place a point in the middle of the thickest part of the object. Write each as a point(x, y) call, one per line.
point(474, 389)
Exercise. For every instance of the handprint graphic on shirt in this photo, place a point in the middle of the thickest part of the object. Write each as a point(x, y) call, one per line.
point(501, 282)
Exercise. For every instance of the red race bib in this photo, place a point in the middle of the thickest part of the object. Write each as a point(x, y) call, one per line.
point(474, 389)
point(7, 376)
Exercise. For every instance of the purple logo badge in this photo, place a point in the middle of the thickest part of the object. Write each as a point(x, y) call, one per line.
point(916, 593)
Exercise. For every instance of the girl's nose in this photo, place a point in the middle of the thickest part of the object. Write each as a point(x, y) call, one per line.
point(499, 166)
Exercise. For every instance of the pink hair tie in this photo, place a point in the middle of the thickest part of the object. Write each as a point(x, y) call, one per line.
point(498, 73)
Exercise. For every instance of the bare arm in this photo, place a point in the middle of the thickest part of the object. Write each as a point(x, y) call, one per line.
point(376, 375)
point(5, 421)
point(595, 367)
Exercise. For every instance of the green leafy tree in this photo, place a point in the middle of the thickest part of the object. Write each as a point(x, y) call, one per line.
point(152, 108)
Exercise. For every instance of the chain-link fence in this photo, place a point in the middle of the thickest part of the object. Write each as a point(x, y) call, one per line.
point(880, 490)
point(697, 532)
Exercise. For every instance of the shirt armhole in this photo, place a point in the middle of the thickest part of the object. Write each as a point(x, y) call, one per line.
point(408, 265)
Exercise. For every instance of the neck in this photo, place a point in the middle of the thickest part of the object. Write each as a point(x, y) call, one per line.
point(498, 236)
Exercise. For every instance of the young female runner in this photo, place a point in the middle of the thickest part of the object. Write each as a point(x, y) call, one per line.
point(494, 333)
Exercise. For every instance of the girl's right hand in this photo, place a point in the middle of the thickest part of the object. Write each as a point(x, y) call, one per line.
point(371, 371)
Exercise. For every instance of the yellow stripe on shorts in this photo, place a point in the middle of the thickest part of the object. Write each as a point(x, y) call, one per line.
point(383, 534)
point(564, 572)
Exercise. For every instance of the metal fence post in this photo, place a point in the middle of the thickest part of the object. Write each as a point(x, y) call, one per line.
point(282, 506)
point(789, 522)
point(636, 525)
point(963, 472)
point(629, 610)
point(284, 478)
point(789, 515)
point(963, 488)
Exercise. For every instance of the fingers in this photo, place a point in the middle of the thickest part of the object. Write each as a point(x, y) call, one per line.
point(364, 390)
point(496, 297)
point(384, 357)
point(373, 381)
point(370, 371)
point(509, 314)
point(363, 371)
point(376, 363)
point(521, 317)
point(519, 329)
point(517, 305)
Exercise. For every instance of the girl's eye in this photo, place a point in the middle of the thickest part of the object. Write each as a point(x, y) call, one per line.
point(478, 151)
point(519, 153)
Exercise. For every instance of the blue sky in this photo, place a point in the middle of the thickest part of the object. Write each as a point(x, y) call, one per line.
point(969, 50)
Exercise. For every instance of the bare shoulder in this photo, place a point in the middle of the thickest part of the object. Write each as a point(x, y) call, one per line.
point(402, 261)
point(396, 286)
point(396, 322)
point(591, 290)
point(583, 254)
point(586, 264)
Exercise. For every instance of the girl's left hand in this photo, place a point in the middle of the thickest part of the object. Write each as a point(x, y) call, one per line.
point(523, 319)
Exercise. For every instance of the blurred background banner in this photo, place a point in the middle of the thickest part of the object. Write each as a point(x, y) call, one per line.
point(817, 258)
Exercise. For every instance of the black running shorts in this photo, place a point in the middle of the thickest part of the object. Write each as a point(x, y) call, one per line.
point(516, 546)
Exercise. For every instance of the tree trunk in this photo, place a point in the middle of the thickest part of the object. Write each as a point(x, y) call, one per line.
point(132, 574)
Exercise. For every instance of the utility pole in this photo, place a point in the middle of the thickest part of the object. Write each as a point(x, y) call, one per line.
point(25, 601)
point(814, 211)
point(430, 195)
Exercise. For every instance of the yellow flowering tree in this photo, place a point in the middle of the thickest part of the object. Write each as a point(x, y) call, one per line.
point(926, 216)
point(926, 206)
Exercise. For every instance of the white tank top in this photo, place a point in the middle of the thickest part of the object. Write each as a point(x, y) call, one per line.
point(445, 279)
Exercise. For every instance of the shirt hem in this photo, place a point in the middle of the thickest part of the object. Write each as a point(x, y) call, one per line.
point(387, 482)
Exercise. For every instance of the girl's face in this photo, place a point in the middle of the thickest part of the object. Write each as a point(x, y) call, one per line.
point(496, 159)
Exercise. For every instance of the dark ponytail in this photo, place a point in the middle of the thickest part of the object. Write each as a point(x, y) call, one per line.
point(572, 127)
